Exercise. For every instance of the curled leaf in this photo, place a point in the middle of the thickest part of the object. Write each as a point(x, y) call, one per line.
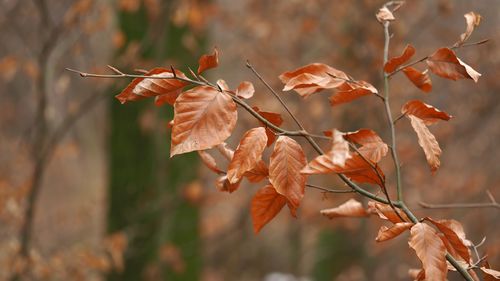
point(340, 149)
point(384, 14)
point(286, 161)
point(386, 233)
point(248, 154)
point(490, 273)
point(419, 79)
point(208, 61)
point(427, 141)
point(445, 63)
point(223, 184)
point(425, 112)
point(274, 118)
point(472, 20)
point(453, 232)
point(245, 90)
point(266, 204)
point(430, 250)
point(395, 62)
point(351, 208)
point(385, 212)
point(203, 118)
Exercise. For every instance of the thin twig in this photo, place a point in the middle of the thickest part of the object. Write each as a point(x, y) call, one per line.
point(459, 205)
point(328, 190)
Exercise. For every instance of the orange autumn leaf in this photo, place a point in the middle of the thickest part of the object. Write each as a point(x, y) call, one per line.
point(286, 161)
point(385, 212)
point(312, 78)
point(393, 63)
point(165, 90)
point(223, 184)
point(386, 233)
point(427, 141)
point(257, 173)
point(425, 112)
point(208, 61)
point(274, 118)
point(420, 79)
point(351, 208)
point(430, 250)
point(355, 168)
point(472, 20)
point(203, 118)
point(453, 232)
point(490, 274)
point(266, 204)
point(209, 161)
point(372, 146)
point(445, 63)
point(340, 149)
point(245, 90)
point(350, 91)
point(417, 274)
point(247, 154)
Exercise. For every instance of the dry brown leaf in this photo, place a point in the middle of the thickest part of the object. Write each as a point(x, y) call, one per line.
point(340, 149)
point(491, 273)
point(203, 118)
point(425, 112)
point(208, 61)
point(257, 173)
point(430, 250)
point(385, 233)
point(445, 63)
point(420, 79)
point(350, 91)
point(384, 14)
point(286, 161)
point(416, 274)
point(166, 90)
point(428, 142)
point(247, 154)
point(395, 62)
point(372, 146)
point(209, 161)
point(351, 208)
point(447, 227)
point(266, 204)
point(245, 90)
point(385, 212)
point(472, 20)
point(224, 185)
point(312, 78)
point(274, 118)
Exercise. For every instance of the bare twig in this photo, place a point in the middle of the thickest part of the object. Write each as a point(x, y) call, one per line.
point(328, 190)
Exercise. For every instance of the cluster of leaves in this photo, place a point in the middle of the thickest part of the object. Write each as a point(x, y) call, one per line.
point(206, 115)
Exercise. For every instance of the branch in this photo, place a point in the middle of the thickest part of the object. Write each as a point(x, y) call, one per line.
point(328, 190)
point(492, 204)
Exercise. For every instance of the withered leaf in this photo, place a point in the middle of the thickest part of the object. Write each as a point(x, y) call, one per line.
point(247, 154)
point(372, 146)
point(445, 63)
point(286, 161)
point(203, 118)
point(266, 204)
point(427, 141)
point(386, 233)
point(385, 212)
point(430, 250)
point(208, 61)
point(351, 208)
point(340, 149)
point(245, 90)
point(223, 184)
point(257, 173)
point(472, 20)
point(425, 112)
point(420, 79)
point(350, 91)
point(274, 118)
point(393, 63)
point(453, 231)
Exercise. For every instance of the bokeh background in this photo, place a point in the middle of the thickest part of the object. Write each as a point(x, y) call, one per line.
point(87, 189)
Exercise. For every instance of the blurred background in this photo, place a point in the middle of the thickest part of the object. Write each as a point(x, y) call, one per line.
point(87, 189)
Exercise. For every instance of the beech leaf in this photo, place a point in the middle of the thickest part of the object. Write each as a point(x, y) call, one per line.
point(166, 90)
point(247, 154)
point(455, 235)
point(472, 20)
point(395, 62)
point(312, 78)
point(372, 146)
point(445, 63)
point(223, 184)
point(208, 61)
point(351, 208)
point(274, 118)
point(340, 149)
point(425, 112)
point(203, 118)
point(430, 250)
point(350, 91)
point(491, 273)
point(386, 233)
point(266, 204)
point(257, 173)
point(420, 79)
point(245, 90)
point(427, 141)
point(385, 212)
point(286, 162)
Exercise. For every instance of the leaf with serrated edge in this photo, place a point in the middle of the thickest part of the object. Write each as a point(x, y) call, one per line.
point(395, 62)
point(420, 79)
point(386, 233)
point(245, 90)
point(203, 118)
point(286, 161)
point(430, 250)
point(351, 208)
point(425, 112)
point(266, 204)
point(428, 142)
point(445, 63)
point(372, 146)
point(247, 154)
point(208, 61)
point(445, 226)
